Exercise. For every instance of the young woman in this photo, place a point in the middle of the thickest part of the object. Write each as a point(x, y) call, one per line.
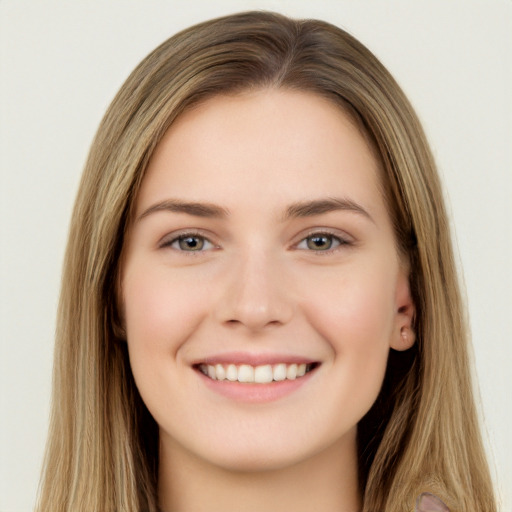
point(260, 308)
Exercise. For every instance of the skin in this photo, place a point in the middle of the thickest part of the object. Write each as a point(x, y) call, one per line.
point(259, 285)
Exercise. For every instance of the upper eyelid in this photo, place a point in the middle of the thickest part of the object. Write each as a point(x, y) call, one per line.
point(341, 242)
point(170, 238)
point(336, 233)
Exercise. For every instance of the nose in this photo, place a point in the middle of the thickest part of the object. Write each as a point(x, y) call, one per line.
point(255, 295)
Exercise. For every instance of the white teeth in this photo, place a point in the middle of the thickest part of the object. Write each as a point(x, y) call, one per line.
point(301, 370)
point(245, 373)
point(220, 372)
point(291, 372)
point(279, 372)
point(263, 374)
point(231, 373)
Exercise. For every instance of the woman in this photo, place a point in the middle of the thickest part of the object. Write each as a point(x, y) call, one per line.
point(176, 379)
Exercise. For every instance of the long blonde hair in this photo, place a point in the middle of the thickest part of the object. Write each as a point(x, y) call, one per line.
point(422, 433)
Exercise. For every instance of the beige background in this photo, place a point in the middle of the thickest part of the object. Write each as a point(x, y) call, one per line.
point(62, 62)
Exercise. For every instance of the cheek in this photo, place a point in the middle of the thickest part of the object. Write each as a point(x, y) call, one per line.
point(355, 316)
point(355, 310)
point(160, 309)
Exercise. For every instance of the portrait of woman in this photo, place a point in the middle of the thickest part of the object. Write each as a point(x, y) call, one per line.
point(261, 305)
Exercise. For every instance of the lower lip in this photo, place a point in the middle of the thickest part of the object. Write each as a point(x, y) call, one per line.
point(255, 393)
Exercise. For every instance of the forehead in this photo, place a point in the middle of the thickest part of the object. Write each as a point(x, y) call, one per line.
point(273, 143)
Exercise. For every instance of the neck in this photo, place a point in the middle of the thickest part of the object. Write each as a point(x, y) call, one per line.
point(325, 481)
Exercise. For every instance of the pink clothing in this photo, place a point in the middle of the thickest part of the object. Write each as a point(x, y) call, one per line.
point(427, 502)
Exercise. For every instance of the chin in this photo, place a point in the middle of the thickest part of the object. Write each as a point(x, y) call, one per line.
point(264, 454)
point(248, 462)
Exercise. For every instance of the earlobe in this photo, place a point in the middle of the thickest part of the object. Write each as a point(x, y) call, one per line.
point(117, 311)
point(404, 336)
point(118, 330)
point(407, 338)
point(117, 323)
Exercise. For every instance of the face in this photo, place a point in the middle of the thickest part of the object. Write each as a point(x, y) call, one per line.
point(261, 283)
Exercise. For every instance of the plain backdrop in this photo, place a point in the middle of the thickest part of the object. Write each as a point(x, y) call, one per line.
point(61, 64)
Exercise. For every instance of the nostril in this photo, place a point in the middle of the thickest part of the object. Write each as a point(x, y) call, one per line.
point(254, 324)
point(233, 323)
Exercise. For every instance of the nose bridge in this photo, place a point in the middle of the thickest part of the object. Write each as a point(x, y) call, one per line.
point(256, 295)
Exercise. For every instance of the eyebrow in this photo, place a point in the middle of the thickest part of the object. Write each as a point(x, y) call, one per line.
point(296, 210)
point(191, 208)
point(320, 206)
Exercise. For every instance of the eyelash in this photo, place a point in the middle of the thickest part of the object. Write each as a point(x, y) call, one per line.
point(183, 236)
point(336, 239)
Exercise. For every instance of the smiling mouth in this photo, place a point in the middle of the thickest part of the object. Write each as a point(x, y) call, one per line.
point(262, 374)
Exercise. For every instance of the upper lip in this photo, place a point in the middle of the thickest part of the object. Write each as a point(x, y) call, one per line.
point(253, 359)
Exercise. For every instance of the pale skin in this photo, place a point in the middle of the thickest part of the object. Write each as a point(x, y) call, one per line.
point(261, 234)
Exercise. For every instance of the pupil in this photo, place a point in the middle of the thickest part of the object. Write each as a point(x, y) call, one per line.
point(191, 243)
point(320, 242)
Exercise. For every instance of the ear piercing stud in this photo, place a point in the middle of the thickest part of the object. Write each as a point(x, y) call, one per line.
point(407, 335)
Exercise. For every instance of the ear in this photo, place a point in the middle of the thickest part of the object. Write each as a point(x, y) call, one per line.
point(117, 306)
point(117, 318)
point(403, 336)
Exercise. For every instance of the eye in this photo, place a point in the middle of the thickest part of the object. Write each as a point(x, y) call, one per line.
point(321, 242)
point(189, 242)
